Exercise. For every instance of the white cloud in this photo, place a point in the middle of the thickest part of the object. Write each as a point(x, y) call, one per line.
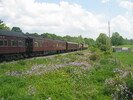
point(122, 25)
point(126, 4)
point(63, 18)
point(104, 1)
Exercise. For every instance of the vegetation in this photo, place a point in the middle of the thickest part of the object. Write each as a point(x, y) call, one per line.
point(3, 26)
point(103, 42)
point(80, 75)
point(121, 86)
point(117, 40)
point(16, 29)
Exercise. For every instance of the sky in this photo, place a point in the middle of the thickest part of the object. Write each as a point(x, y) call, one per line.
point(88, 18)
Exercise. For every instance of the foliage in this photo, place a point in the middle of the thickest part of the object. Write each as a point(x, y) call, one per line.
point(16, 29)
point(94, 57)
point(89, 41)
point(3, 26)
point(120, 86)
point(116, 39)
point(78, 39)
point(103, 39)
point(103, 42)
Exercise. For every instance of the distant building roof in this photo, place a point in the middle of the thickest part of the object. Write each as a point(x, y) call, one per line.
point(11, 33)
point(123, 49)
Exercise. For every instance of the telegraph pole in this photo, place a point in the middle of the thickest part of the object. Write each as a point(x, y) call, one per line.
point(109, 33)
point(109, 28)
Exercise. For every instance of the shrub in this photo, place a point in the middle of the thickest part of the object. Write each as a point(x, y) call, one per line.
point(121, 86)
point(93, 49)
point(94, 57)
point(104, 48)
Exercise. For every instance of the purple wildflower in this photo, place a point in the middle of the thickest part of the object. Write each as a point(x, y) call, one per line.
point(59, 66)
point(79, 64)
point(66, 58)
point(14, 73)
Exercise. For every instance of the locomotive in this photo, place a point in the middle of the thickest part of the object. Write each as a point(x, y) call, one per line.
point(17, 45)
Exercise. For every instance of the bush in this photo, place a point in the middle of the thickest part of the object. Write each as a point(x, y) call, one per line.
point(108, 52)
point(104, 48)
point(121, 86)
point(93, 49)
point(94, 57)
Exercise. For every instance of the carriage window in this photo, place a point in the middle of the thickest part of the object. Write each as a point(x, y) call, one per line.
point(57, 45)
point(40, 44)
point(5, 43)
point(36, 44)
point(14, 43)
point(20, 43)
point(1, 42)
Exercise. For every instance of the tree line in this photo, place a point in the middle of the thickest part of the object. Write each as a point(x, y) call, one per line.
point(102, 41)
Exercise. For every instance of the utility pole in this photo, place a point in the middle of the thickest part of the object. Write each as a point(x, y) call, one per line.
point(109, 35)
point(109, 28)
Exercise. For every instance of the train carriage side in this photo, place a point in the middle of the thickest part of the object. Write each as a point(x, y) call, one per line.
point(54, 46)
point(72, 46)
point(42, 46)
point(12, 45)
point(35, 45)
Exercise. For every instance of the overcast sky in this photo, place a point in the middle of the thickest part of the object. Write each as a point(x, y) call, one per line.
point(69, 17)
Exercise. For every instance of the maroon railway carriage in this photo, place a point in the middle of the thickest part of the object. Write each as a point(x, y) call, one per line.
point(12, 45)
point(55, 45)
point(35, 45)
point(72, 46)
point(42, 46)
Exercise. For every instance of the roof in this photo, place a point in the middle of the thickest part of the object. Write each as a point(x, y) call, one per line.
point(11, 33)
point(72, 42)
point(41, 37)
point(34, 36)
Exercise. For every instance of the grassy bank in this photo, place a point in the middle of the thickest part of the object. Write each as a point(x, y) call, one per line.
point(80, 75)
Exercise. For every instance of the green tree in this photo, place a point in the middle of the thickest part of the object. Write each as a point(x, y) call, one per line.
point(16, 29)
point(131, 42)
point(116, 39)
point(89, 41)
point(3, 26)
point(35, 34)
point(103, 42)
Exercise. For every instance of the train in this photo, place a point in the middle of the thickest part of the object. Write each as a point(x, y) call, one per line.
point(17, 45)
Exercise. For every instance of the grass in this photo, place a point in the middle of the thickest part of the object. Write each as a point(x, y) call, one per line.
point(125, 57)
point(64, 77)
point(120, 86)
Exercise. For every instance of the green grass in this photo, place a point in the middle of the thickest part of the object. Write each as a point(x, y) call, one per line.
point(125, 58)
point(120, 86)
point(63, 77)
